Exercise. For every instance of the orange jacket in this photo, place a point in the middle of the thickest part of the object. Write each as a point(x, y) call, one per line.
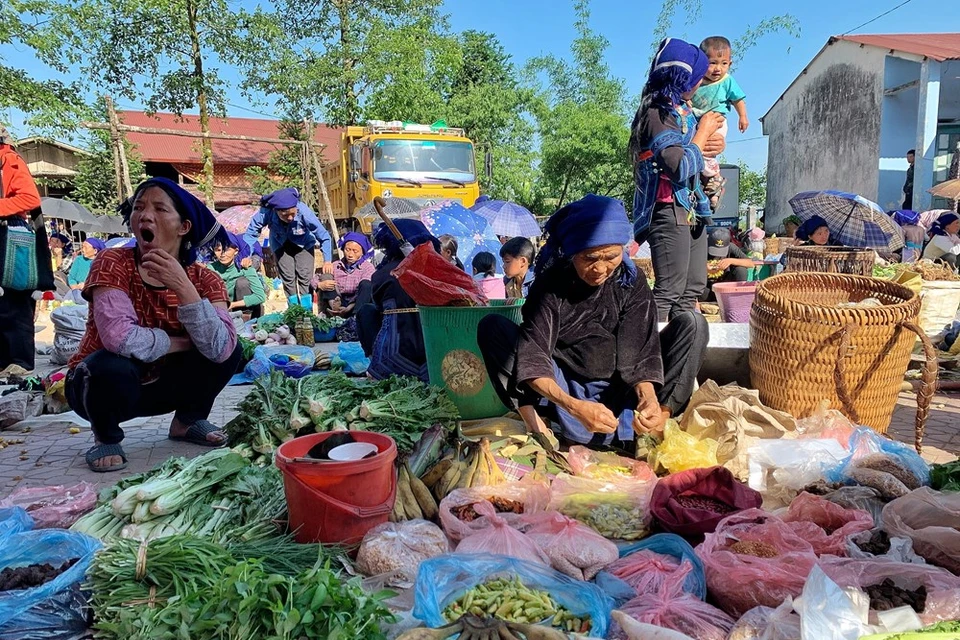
point(20, 195)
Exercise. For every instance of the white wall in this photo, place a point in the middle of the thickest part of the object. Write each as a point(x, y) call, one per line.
point(898, 129)
point(824, 133)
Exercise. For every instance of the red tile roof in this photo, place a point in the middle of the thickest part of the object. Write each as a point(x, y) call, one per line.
point(178, 149)
point(936, 46)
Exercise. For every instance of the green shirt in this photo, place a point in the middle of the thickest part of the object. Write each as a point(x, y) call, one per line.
point(230, 273)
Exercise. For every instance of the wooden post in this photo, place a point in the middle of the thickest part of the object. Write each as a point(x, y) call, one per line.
point(120, 152)
point(315, 161)
point(306, 173)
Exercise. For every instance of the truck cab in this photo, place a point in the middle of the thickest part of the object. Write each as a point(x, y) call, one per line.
point(424, 163)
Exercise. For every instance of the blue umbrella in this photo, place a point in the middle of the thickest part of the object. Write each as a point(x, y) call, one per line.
point(853, 220)
point(508, 218)
point(470, 230)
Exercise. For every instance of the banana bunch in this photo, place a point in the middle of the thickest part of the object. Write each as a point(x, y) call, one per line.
point(413, 499)
point(470, 465)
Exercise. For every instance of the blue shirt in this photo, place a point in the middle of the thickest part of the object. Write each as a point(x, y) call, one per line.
point(304, 230)
point(718, 96)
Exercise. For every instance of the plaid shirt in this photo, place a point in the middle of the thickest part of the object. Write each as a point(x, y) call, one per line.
point(348, 281)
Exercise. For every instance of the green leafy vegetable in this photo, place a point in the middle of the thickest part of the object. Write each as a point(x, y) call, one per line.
point(945, 477)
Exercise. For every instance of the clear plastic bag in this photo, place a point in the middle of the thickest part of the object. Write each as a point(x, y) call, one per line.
point(932, 520)
point(292, 360)
point(605, 465)
point(780, 469)
point(825, 525)
point(680, 451)
point(532, 496)
point(499, 538)
point(828, 612)
point(865, 442)
point(826, 423)
point(14, 520)
point(34, 610)
point(691, 503)
point(615, 510)
point(658, 552)
point(444, 579)
point(741, 581)
point(943, 588)
point(54, 507)
point(901, 549)
point(396, 549)
point(672, 608)
point(574, 549)
point(764, 623)
point(856, 497)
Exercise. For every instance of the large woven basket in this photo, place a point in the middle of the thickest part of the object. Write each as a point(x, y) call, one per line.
point(858, 262)
point(804, 349)
point(775, 246)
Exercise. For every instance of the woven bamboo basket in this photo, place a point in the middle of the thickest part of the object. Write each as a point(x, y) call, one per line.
point(804, 349)
point(776, 246)
point(858, 262)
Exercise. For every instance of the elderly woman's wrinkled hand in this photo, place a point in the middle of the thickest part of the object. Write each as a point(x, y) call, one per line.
point(164, 268)
point(649, 417)
point(595, 417)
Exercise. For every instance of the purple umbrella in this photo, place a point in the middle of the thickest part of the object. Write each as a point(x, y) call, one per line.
point(508, 218)
point(237, 219)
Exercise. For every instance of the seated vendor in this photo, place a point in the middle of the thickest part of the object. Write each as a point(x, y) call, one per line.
point(388, 327)
point(944, 243)
point(344, 282)
point(587, 354)
point(244, 285)
point(732, 261)
point(159, 338)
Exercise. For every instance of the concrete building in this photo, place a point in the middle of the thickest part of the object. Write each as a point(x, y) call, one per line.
point(847, 121)
point(52, 164)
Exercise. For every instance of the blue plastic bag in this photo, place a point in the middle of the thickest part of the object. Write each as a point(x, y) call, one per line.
point(14, 520)
point(666, 544)
point(865, 441)
point(354, 360)
point(443, 579)
point(292, 360)
point(48, 609)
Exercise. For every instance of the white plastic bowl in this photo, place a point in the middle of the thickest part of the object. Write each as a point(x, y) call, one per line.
point(352, 451)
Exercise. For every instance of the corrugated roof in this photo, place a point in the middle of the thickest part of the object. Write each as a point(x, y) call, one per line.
point(178, 149)
point(936, 46)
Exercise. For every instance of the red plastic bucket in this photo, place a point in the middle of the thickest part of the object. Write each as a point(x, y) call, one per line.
point(337, 502)
point(735, 300)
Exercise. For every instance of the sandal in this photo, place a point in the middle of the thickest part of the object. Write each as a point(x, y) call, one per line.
point(198, 432)
point(101, 451)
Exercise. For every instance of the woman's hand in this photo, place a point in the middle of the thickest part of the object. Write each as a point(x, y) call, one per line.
point(710, 144)
point(649, 416)
point(247, 262)
point(160, 266)
point(595, 417)
point(714, 146)
point(328, 268)
point(710, 123)
point(327, 285)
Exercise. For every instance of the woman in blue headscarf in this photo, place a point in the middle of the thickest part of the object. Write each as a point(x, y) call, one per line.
point(587, 354)
point(244, 284)
point(944, 244)
point(814, 231)
point(81, 264)
point(388, 327)
point(159, 336)
point(667, 147)
point(347, 280)
point(914, 235)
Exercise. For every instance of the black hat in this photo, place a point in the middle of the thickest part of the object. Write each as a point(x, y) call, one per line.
point(718, 242)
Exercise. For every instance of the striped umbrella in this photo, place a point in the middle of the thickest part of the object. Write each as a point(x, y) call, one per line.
point(508, 218)
point(853, 220)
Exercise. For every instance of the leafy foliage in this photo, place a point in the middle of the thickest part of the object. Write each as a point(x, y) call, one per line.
point(285, 168)
point(753, 187)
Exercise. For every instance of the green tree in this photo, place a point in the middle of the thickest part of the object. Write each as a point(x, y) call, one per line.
point(753, 186)
point(160, 52)
point(582, 120)
point(285, 167)
point(48, 104)
point(95, 185)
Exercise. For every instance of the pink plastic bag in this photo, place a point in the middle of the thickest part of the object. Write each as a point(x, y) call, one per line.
point(825, 525)
point(499, 538)
point(932, 520)
point(672, 608)
point(645, 571)
point(574, 549)
point(943, 588)
point(604, 465)
point(532, 496)
point(54, 507)
point(739, 582)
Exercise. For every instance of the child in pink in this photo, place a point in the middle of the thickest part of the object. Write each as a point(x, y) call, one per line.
point(485, 275)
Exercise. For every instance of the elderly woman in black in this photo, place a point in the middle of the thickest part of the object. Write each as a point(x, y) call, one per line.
point(588, 354)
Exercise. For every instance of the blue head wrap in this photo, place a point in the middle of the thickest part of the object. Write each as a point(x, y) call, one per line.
point(413, 231)
point(939, 227)
point(906, 216)
point(677, 55)
point(96, 243)
point(281, 199)
point(67, 245)
point(204, 227)
point(363, 241)
point(243, 249)
point(592, 221)
point(806, 230)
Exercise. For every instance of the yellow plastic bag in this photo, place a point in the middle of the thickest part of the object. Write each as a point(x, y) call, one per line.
point(910, 279)
point(680, 451)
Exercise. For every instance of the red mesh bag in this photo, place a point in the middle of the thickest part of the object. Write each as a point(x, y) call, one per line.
point(433, 282)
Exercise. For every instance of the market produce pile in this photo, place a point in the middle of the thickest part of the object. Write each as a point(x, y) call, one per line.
point(815, 529)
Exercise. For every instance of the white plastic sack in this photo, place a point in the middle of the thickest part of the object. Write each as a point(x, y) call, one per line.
point(779, 469)
point(828, 612)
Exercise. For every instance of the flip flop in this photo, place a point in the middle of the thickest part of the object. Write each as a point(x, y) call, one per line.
point(100, 451)
point(198, 432)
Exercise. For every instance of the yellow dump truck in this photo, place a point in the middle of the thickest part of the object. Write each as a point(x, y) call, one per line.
point(424, 163)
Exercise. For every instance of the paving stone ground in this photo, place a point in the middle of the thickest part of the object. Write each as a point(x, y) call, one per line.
point(51, 455)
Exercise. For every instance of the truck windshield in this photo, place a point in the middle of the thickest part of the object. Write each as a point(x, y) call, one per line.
point(423, 160)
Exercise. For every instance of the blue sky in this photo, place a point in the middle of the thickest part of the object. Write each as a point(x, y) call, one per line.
point(528, 28)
